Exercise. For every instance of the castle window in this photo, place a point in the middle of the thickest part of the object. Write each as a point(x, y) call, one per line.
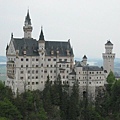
point(21, 66)
point(60, 59)
point(36, 65)
point(51, 71)
point(33, 65)
point(63, 77)
point(92, 72)
point(32, 77)
point(28, 77)
point(67, 77)
point(54, 71)
point(28, 83)
point(67, 71)
point(65, 60)
point(79, 72)
point(89, 82)
point(45, 71)
point(36, 71)
point(51, 65)
point(21, 72)
point(21, 78)
point(27, 59)
point(21, 59)
point(49, 59)
point(72, 77)
point(36, 59)
point(32, 71)
point(79, 77)
point(89, 77)
point(59, 65)
point(32, 83)
point(97, 72)
point(41, 76)
point(36, 77)
point(47, 65)
point(41, 81)
point(100, 72)
point(26, 65)
point(62, 71)
point(54, 65)
point(32, 59)
point(51, 76)
point(41, 65)
point(54, 59)
point(36, 83)
point(41, 70)
point(28, 71)
point(67, 65)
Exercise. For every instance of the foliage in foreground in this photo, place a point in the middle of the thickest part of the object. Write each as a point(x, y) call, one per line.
point(55, 103)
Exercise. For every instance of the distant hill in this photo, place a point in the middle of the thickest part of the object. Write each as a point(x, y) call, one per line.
point(2, 59)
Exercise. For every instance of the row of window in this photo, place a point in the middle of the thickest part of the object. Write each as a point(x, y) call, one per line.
point(91, 72)
point(33, 59)
point(22, 59)
point(36, 77)
point(47, 65)
point(88, 82)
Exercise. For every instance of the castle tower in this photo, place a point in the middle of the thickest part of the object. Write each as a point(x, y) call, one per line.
point(27, 28)
point(41, 50)
point(108, 58)
point(84, 60)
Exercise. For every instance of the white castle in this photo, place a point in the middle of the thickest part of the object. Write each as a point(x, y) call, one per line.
point(30, 61)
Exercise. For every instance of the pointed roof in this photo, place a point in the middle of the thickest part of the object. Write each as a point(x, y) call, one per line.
point(41, 37)
point(108, 43)
point(27, 18)
point(84, 57)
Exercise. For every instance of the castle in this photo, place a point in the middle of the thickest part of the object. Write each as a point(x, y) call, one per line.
point(30, 61)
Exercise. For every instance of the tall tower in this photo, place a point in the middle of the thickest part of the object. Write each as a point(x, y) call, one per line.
point(27, 28)
point(108, 58)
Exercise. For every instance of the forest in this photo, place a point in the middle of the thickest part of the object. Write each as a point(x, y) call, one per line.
point(55, 102)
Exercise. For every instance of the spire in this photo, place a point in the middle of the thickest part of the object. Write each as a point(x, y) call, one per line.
point(27, 19)
point(41, 37)
point(27, 28)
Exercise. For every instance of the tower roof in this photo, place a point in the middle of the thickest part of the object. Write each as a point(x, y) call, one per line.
point(84, 57)
point(41, 37)
point(27, 18)
point(108, 43)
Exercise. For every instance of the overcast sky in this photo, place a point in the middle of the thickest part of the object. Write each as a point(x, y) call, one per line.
point(87, 23)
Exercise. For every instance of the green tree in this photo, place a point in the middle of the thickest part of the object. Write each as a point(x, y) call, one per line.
point(74, 103)
point(111, 78)
point(8, 110)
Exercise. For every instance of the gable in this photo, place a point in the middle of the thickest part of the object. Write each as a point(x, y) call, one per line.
point(11, 49)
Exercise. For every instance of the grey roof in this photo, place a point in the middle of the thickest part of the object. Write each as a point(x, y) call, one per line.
point(27, 18)
point(31, 47)
point(41, 35)
point(108, 43)
point(60, 46)
point(73, 72)
point(92, 68)
point(79, 65)
point(84, 57)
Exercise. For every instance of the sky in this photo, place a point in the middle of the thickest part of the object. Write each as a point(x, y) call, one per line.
point(87, 23)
